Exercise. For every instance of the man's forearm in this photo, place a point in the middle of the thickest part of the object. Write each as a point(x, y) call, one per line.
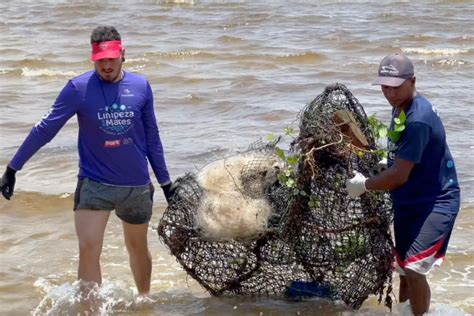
point(388, 180)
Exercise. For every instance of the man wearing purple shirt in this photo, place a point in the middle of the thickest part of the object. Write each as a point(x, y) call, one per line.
point(118, 136)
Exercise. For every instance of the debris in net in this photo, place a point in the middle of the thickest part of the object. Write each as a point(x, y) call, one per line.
point(314, 239)
point(233, 204)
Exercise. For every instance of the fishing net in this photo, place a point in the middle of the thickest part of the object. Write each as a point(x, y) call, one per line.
point(270, 222)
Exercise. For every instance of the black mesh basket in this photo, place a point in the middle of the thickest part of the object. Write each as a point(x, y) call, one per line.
point(316, 242)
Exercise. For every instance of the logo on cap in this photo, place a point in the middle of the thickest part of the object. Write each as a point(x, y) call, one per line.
point(107, 49)
point(389, 70)
point(103, 45)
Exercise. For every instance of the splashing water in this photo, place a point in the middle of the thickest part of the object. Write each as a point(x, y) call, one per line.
point(87, 298)
point(404, 309)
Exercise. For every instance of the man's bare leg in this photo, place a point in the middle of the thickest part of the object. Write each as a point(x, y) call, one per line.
point(404, 290)
point(140, 258)
point(90, 227)
point(420, 294)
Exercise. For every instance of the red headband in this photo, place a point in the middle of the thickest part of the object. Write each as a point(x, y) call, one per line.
point(110, 49)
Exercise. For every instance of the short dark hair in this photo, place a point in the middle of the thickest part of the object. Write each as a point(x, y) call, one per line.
point(104, 34)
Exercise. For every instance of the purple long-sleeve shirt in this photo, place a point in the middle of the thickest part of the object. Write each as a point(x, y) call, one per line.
point(118, 133)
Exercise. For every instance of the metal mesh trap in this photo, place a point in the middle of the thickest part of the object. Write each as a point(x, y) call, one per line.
point(237, 230)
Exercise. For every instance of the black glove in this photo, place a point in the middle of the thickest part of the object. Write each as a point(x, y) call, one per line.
point(8, 183)
point(168, 190)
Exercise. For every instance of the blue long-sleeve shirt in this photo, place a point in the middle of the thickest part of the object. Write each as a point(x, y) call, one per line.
point(118, 133)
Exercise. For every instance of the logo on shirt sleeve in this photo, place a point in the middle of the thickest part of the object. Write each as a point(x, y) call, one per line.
point(44, 117)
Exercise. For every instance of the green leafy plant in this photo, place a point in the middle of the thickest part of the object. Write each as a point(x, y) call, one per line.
point(287, 177)
point(381, 131)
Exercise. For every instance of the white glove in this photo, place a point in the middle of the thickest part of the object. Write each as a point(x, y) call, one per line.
point(382, 166)
point(356, 186)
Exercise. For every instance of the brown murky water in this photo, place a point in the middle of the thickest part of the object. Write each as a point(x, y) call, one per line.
point(224, 74)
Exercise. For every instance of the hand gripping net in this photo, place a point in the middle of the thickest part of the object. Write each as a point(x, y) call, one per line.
point(341, 246)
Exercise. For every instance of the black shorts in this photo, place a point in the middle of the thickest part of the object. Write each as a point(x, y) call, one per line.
point(131, 204)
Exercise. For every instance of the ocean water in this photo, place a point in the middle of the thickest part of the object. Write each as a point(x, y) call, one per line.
point(224, 74)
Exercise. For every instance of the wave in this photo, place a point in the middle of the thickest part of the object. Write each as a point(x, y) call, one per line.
point(188, 2)
point(291, 58)
point(182, 54)
point(226, 39)
point(137, 68)
point(302, 58)
point(307, 57)
point(451, 62)
point(419, 38)
point(45, 72)
point(11, 51)
point(195, 99)
point(435, 51)
point(4, 71)
point(138, 59)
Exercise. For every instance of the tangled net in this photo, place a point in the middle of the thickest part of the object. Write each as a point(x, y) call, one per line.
point(313, 232)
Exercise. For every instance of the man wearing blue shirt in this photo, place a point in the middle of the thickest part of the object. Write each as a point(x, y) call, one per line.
point(422, 181)
point(118, 137)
